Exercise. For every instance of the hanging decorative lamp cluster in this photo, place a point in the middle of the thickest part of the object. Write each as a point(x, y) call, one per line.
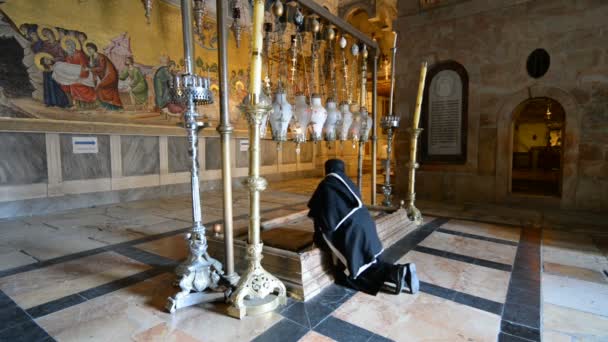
point(303, 78)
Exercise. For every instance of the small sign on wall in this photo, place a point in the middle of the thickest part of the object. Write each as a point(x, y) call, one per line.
point(244, 145)
point(84, 145)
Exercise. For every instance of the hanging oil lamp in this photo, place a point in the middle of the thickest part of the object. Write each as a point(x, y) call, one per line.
point(346, 115)
point(281, 115)
point(199, 14)
point(236, 22)
point(302, 116)
point(148, 9)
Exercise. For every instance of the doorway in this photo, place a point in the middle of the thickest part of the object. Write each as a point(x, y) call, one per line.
point(538, 138)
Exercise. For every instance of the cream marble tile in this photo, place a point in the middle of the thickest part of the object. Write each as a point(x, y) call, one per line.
point(553, 336)
point(484, 282)
point(571, 249)
point(574, 272)
point(431, 318)
point(126, 212)
point(11, 258)
point(471, 247)
point(164, 333)
point(210, 323)
point(435, 270)
point(576, 294)
point(44, 246)
point(378, 314)
point(118, 316)
point(46, 284)
point(159, 228)
point(574, 322)
point(460, 276)
point(131, 312)
point(484, 229)
point(172, 247)
point(315, 337)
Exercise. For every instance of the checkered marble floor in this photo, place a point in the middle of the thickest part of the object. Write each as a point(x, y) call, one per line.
point(103, 274)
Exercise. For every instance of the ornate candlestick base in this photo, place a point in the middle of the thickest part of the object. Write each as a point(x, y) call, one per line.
point(255, 288)
point(198, 273)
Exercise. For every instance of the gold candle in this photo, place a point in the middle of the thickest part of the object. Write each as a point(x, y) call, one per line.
point(419, 97)
point(255, 83)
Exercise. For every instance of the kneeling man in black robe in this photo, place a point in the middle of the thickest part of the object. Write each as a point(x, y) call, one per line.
point(344, 226)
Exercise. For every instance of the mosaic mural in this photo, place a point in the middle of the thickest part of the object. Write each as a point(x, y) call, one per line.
point(68, 70)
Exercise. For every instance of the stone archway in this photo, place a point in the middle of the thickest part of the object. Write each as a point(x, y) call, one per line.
point(504, 140)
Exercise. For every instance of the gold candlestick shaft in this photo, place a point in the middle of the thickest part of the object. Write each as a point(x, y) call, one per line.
point(413, 212)
point(253, 294)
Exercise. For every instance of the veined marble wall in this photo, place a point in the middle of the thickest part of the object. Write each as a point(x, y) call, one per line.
point(41, 173)
point(492, 39)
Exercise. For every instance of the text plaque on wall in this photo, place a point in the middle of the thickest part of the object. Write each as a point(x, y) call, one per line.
point(444, 114)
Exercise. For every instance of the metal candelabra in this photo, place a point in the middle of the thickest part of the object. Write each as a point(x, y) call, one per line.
point(199, 272)
point(389, 123)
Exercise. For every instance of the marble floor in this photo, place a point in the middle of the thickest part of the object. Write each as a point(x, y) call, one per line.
point(104, 273)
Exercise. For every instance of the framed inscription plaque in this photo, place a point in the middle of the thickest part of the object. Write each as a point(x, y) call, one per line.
point(444, 114)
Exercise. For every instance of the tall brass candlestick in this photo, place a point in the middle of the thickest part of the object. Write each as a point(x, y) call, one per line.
point(253, 294)
point(412, 212)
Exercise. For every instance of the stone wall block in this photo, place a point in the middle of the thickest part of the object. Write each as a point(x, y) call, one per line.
point(590, 152)
point(487, 151)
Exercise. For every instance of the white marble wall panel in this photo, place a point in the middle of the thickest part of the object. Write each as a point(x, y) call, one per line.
point(306, 152)
point(179, 158)
point(213, 154)
point(241, 157)
point(288, 152)
point(269, 152)
point(79, 166)
point(140, 155)
point(22, 158)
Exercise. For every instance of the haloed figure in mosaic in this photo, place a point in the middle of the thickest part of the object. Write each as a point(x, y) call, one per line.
point(344, 226)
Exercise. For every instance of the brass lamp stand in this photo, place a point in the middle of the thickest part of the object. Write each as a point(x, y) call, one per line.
point(254, 292)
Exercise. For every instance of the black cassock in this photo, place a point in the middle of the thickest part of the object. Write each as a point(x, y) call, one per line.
point(344, 226)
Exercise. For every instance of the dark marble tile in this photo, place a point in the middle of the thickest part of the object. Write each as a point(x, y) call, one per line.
point(437, 291)
point(22, 158)
point(334, 296)
point(522, 314)
point(502, 337)
point(340, 330)
point(76, 166)
point(12, 315)
point(145, 257)
point(523, 296)
point(479, 303)
point(520, 331)
point(179, 157)
point(140, 155)
point(5, 301)
point(307, 314)
point(378, 338)
point(213, 154)
point(410, 241)
point(55, 305)
point(478, 237)
point(493, 264)
point(523, 283)
point(27, 332)
point(122, 283)
point(284, 331)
